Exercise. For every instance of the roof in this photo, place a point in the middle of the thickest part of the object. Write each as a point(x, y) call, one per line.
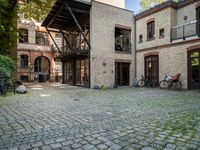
point(60, 18)
point(166, 4)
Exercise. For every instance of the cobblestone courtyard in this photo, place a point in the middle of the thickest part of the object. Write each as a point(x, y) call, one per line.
point(55, 116)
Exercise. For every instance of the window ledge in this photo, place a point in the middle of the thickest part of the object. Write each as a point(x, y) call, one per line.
point(140, 42)
point(123, 52)
point(150, 39)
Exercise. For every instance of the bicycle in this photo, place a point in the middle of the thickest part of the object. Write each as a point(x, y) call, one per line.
point(145, 82)
point(171, 82)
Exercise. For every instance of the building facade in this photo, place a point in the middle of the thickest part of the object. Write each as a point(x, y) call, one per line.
point(35, 54)
point(106, 45)
point(99, 45)
point(168, 42)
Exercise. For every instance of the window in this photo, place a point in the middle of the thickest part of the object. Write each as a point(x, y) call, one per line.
point(58, 39)
point(42, 38)
point(24, 61)
point(23, 36)
point(122, 39)
point(150, 30)
point(162, 33)
point(140, 39)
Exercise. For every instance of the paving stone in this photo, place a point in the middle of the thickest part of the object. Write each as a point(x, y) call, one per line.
point(39, 144)
point(46, 148)
point(76, 145)
point(56, 145)
point(145, 118)
point(148, 148)
point(101, 146)
point(95, 142)
point(88, 146)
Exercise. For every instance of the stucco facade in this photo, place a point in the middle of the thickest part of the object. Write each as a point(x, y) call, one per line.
point(103, 54)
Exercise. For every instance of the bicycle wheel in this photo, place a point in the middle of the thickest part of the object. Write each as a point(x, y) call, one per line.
point(164, 84)
point(177, 85)
point(141, 83)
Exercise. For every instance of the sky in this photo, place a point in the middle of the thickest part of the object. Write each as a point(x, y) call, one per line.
point(133, 5)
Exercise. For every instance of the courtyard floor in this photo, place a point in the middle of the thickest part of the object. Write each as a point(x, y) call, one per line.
point(55, 116)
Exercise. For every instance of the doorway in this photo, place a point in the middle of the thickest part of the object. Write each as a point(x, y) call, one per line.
point(42, 69)
point(122, 73)
point(82, 72)
point(152, 68)
point(194, 69)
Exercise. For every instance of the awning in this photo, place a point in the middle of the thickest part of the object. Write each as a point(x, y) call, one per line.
point(60, 18)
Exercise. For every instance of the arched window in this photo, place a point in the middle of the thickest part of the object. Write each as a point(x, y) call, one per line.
point(150, 30)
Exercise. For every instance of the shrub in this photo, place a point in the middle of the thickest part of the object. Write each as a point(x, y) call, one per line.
point(7, 68)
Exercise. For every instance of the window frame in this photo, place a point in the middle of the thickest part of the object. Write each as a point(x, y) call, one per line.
point(45, 42)
point(150, 30)
point(160, 30)
point(123, 46)
point(24, 62)
point(23, 35)
point(140, 38)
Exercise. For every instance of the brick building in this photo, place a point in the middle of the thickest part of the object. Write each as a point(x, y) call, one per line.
point(99, 42)
point(168, 42)
point(35, 53)
point(106, 45)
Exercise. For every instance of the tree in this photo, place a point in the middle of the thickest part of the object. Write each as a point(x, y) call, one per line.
point(145, 4)
point(8, 25)
point(37, 9)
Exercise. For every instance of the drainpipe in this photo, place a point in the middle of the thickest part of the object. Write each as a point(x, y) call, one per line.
point(135, 42)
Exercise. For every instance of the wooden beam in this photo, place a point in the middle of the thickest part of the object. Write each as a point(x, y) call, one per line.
point(61, 8)
point(66, 40)
point(54, 41)
point(78, 25)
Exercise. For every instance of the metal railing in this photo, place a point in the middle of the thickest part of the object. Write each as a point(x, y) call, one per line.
point(185, 31)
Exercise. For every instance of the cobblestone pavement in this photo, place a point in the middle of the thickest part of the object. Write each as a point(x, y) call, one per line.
point(55, 116)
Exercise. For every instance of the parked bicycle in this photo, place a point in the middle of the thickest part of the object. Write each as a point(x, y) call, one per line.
point(3, 86)
point(146, 82)
point(172, 82)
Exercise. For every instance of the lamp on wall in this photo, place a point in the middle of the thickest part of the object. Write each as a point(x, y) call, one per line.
point(150, 65)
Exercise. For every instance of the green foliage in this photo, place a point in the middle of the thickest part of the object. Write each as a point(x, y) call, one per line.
point(146, 4)
point(8, 27)
point(37, 9)
point(7, 67)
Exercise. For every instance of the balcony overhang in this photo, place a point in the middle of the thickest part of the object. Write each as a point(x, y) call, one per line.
point(73, 54)
point(60, 16)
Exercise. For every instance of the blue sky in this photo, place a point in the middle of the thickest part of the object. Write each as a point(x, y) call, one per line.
point(133, 5)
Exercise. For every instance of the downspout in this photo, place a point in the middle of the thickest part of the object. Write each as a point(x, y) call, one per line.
point(135, 47)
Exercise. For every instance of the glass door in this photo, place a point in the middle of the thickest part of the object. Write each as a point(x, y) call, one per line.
point(194, 70)
point(122, 74)
point(82, 72)
point(151, 69)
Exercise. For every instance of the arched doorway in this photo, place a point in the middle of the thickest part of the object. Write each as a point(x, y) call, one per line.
point(152, 68)
point(42, 69)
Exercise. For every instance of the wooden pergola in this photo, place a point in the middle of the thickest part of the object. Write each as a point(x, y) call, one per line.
point(68, 16)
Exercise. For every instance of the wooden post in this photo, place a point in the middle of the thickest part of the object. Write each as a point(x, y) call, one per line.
point(79, 27)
